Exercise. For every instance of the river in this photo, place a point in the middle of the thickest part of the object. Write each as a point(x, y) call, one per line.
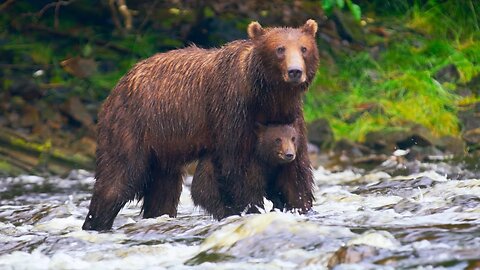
point(362, 219)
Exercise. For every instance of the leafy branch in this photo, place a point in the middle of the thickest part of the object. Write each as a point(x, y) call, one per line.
point(330, 5)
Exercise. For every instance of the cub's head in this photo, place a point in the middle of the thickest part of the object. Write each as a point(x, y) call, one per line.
point(287, 54)
point(276, 144)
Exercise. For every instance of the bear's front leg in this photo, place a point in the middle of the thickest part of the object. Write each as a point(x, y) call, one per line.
point(242, 189)
point(205, 190)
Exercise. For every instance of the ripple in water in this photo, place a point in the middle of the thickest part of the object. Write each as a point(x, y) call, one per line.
point(360, 221)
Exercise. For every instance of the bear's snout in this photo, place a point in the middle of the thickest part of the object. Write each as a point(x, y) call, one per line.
point(294, 74)
point(289, 157)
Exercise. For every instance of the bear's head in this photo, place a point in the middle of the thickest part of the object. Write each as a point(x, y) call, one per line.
point(276, 144)
point(287, 54)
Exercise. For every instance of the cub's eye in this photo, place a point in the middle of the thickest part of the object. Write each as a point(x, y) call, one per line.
point(280, 50)
point(278, 140)
point(293, 139)
point(303, 49)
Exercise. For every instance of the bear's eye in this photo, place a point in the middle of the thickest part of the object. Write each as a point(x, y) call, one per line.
point(303, 49)
point(280, 50)
point(278, 140)
point(293, 139)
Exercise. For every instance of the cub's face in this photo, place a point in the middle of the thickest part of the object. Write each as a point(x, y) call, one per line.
point(290, 54)
point(277, 144)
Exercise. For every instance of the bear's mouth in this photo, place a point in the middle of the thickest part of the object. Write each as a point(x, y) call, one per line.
point(295, 81)
point(283, 158)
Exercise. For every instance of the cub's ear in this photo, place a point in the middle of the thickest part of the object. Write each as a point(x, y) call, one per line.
point(255, 30)
point(310, 27)
point(259, 128)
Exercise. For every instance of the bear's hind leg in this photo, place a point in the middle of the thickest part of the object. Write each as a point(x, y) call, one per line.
point(162, 194)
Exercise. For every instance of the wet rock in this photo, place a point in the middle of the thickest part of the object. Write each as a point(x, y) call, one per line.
point(351, 149)
point(14, 119)
point(17, 103)
point(378, 239)
point(321, 160)
point(30, 116)
point(396, 187)
point(263, 235)
point(398, 166)
point(208, 257)
point(352, 254)
point(448, 73)
point(406, 205)
point(3, 120)
point(452, 145)
point(56, 121)
point(347, 153)
point(385, 141)
point(313, 154)
point(470, 120)
point(370, 160)
point(75, 109)
point(423, 153)
point(466, 200)
point(418, 136)
point(470, 117)
point(421, 144)
point(320, 133)
point(25, 88)
point(472, 136)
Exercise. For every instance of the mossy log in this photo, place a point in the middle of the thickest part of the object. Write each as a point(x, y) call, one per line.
point(20, 154)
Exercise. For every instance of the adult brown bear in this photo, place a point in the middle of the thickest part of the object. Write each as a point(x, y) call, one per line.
point(194, 103)
point(276, 147)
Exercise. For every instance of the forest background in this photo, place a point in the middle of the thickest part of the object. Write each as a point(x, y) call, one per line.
point(394, 74)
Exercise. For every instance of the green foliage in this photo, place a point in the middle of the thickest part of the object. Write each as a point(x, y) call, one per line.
point(446, 19)
point(362, 94)
point(330, 5)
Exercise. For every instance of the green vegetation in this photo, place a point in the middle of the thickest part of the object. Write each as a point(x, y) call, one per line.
point(330, 5)
point(399, 79)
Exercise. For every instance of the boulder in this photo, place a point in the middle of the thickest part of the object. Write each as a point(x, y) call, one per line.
point(448, 73)
point(387, 141)
point(320, 133)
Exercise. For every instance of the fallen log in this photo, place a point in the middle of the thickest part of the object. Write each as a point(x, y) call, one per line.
point(27, 156)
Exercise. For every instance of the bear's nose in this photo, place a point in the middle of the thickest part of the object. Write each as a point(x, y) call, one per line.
point(294, 74)
point(289, 157)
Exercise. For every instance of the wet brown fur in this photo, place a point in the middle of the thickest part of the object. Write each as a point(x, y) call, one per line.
point(273, 142)
point(194, 103)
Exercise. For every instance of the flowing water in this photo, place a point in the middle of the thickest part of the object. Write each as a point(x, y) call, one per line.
point(361, 220)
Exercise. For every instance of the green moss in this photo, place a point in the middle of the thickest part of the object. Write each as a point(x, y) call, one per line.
point(5, 167)
point(360, 94)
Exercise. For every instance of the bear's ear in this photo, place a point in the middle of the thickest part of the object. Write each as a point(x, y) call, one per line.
point(310, 27)
point(255, 30)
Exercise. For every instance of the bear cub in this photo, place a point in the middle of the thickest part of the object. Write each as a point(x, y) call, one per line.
point(276, 146)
